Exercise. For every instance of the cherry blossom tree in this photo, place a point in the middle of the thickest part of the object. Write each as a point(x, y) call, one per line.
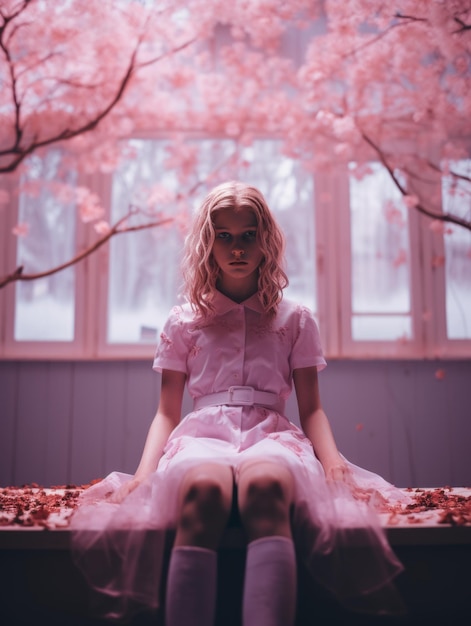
point(105, 70)
point(348, 81)
point(64, 68)
point(390, 81)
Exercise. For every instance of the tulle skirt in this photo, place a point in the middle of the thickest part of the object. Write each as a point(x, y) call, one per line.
point(336, 527)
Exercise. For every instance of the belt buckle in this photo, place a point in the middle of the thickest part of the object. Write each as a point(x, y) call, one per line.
point(242, 395)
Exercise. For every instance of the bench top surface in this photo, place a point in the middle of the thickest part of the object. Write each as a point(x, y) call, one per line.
point(33, 517)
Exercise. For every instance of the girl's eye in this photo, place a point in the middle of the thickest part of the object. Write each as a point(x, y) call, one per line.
point(250, 235)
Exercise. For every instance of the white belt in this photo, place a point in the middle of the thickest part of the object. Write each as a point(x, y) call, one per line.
point(241, 396)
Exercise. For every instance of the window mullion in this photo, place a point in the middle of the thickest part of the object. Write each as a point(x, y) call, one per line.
point(421, 305)
point(428, 286)
point(335, 223)
point(96, 266)
point(8, 219)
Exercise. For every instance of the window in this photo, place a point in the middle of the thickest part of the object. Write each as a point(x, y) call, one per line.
point(144, 270)
point(456, 193)
point(45, 308)
point(382, 280)
point(379, 258)
point(378, 299)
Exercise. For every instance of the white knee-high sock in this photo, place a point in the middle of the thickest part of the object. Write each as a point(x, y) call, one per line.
point(270, 583)
point(191, 587)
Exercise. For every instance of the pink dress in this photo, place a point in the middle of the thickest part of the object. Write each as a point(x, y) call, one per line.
point(119, 546)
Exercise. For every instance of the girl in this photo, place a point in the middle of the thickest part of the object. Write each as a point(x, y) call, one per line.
point(239, 347)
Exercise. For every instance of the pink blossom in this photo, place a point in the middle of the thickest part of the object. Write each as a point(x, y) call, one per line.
point(401, 258)
point(361, 170)
point(343, 150)
point(4, 196)
point(183, 157)
point(65, 193)
point(438, 261)
point(411, 201)
point(246, 139)
point(102, 227)
point(326, 118)
point(181, 77)
point(21, 229)
point(437, 226)
point(88, 205)
point(393, 214)
point(160, 195)
point(344, 127)
point(232, 129)
point(110, 156)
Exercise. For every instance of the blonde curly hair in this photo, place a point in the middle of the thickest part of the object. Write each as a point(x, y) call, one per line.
point(200, 271)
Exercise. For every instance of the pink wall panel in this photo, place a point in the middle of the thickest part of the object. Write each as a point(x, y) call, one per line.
point(63, 422)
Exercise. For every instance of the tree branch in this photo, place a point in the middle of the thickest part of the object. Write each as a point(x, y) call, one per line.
point(372, 40)
point(444, 217)
point(67, 133)
point(410, 18)
point(18, 275)
point(457, 175)
point(18, 153)
point(114, 230)
point(8, 18)
point(14, 94)
point(463, 25)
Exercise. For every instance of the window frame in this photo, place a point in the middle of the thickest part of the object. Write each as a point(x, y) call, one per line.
point(332, 226)
point(11, 348)
point(335, 226)
point(99, 265)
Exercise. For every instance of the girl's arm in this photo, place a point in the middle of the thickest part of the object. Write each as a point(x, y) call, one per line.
point(167, 417)
point(316, 425)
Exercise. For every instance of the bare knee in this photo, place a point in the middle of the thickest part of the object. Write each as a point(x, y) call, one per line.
point(204, 510)
point(264, 504)
point(203, 498)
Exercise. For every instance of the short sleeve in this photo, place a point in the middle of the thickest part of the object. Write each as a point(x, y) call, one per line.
point(307, 349)
point(172, 350)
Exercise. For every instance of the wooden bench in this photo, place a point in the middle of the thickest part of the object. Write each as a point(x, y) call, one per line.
point(40, 584)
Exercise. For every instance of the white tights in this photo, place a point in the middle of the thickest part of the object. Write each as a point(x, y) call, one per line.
point(191, 587)
point(269, 586)
point(270, 583)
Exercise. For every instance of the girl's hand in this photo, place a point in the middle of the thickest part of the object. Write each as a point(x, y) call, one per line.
point(342, 473)
point(120, 494)
point(339, 472)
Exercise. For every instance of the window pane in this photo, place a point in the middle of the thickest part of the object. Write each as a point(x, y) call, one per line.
point(45, 308)
point(145, 266)
point(381, 327)
point(380, 256)
point(289, 191)
point(456, 199)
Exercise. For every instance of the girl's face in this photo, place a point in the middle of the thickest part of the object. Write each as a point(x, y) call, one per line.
point(236, 249)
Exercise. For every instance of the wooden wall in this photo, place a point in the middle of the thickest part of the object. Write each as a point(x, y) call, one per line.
point(70, 422)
